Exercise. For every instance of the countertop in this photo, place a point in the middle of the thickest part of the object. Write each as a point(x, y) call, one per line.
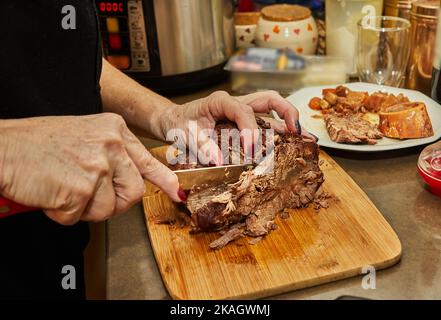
point(391, 181)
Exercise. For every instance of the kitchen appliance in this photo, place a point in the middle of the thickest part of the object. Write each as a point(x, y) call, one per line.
point(168, 45)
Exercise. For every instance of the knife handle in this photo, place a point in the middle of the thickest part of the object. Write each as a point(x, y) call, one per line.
point(9, 207)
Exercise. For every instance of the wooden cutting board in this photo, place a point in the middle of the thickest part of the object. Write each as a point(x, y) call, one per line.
point(307, 249)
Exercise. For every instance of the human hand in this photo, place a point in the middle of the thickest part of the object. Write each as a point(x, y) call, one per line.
point(77, 168)
point(241, 110)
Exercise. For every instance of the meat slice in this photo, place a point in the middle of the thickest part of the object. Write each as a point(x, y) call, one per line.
point(287, 178)
point(351, 129)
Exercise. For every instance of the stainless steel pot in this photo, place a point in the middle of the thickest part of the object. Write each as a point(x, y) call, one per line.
point(193, 34)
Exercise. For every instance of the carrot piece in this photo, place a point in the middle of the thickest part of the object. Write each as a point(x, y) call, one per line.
point(314, 103)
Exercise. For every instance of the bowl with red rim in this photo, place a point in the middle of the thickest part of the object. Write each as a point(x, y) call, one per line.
point(429, 167)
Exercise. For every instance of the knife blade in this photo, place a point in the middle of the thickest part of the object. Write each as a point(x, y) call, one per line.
point(210, 175)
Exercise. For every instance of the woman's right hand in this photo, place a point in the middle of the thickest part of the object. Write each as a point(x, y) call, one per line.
point(77, 167)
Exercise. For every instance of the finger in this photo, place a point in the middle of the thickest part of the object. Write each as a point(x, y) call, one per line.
point(270, 100)
point(309, 136)
point(128, 185)
point(66, 218)
point(103, 203)
point(280, 127)
point(76, 199)
point(150, 168)
point(209, 152)
point(277, 125)
point(223, 106)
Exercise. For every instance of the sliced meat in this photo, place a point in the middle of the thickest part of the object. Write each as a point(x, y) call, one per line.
point(351, 129)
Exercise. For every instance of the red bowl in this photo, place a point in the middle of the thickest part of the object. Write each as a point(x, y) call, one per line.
point(433, 183)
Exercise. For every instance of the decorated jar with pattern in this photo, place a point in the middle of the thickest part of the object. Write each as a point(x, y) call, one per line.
point(245, 24)
point(287, 26)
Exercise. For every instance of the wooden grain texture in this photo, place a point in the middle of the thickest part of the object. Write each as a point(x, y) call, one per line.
point(307, 249)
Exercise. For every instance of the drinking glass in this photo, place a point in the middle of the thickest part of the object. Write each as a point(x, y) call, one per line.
point(383, 50)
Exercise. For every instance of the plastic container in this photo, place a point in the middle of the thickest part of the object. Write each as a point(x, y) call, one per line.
point(282, 70)
point(429, 166)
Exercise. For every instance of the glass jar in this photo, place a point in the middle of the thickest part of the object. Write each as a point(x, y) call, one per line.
point(436, 66)
point(423, 18)
point(342, 17)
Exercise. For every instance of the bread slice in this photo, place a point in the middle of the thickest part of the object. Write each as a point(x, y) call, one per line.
point(406, 121)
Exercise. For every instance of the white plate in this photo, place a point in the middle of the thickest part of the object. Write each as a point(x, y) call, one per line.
point(301, 98)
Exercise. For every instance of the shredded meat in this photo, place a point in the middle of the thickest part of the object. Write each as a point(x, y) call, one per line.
point(259, 194)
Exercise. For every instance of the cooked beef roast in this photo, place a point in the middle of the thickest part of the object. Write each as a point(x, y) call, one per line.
point(287, 178)
point(352, 129)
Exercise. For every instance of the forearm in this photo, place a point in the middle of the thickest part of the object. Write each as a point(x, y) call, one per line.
point(139, 106)
point(10, 144)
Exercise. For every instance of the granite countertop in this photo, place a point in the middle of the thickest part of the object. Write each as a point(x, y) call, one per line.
point(391, 181)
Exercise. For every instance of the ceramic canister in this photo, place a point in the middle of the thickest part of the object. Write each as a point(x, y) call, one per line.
point(245, 24)
point(287, 26)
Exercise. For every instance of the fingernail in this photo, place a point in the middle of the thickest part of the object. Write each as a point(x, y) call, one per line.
point(212, 163)
point(182, 195)
point(316, 138)
point(298, 127)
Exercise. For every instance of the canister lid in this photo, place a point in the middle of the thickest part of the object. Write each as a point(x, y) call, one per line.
point(407, 4)
point(425, 9)
point(285, 12)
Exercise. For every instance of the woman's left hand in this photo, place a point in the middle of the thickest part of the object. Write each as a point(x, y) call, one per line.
point(220, 105)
